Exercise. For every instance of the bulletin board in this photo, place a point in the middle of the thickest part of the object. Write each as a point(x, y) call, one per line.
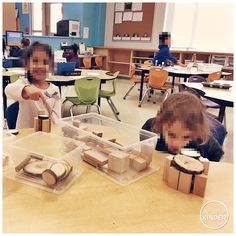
point(133, 21)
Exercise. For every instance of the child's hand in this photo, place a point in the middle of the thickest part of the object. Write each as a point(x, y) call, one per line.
point(32, 94)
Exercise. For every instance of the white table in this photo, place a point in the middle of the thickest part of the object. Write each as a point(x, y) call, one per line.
point(223, 97)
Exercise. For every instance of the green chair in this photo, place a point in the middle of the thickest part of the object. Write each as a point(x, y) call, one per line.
point(87, 90)
point(109, 94)
point(15, 77)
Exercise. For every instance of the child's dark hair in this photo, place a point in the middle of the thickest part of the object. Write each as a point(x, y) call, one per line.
point(163, 36)
point(25, 42)
point(186, 108)
point(75, 48)
point(37, 46)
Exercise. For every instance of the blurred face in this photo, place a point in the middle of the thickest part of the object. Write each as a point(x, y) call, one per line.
point(168, 41)
point(39, 65)
point(176, 136)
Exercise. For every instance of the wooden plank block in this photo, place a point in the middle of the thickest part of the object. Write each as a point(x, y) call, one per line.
point(99, 134)
point(139, 164)
point(46, 126)
point(199, 186)
point(97, 156)
point(89, 161)
point(173, 177)
point(167, 164)
point(206, 164)
point(36, 124)
point(76, 123)
point(185, 181)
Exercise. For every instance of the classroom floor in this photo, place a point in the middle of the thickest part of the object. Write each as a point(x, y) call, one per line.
point(132, 114)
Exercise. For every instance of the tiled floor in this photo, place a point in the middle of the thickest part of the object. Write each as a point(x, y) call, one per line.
point(132, 114)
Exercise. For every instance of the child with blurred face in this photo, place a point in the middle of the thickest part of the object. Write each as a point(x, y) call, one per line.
point(182, 123)
point(34, 92)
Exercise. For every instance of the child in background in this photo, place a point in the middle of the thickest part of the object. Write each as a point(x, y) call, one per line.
point(163, 57)
point(183, 123)
point(33, 92)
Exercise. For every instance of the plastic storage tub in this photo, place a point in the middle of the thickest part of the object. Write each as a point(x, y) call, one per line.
point(120, 151)
point(47, 161)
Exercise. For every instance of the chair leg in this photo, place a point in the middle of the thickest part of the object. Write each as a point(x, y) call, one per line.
point(98, 108)
point(140, 103)
point(117, 112)
point(166, 95)
point(71, 110)
point(129, 91)
point(112, 108)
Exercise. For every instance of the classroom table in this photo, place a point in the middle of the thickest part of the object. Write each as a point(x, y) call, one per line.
point(223, 97)
point(95, 204)
point(174, 71)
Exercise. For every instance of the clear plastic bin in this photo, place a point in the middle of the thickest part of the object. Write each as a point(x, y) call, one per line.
point(120, 151)
point(47, 161)
point(7, 140)
point(209, 67)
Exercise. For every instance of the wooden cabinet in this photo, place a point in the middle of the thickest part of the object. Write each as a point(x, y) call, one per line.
point(120, 59)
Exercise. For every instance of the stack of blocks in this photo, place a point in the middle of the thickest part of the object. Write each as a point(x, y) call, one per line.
point(184, 182)
point(42, 122)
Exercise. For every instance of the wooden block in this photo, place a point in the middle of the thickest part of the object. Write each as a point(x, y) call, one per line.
point(89, 161)
point(104, 150)
point(69, 132)
point(113, 140)
point(36, 124)
point(99, 134)
point(167, 164)
point(173, 177)
point(139, 164)
point(146, 157)
point(185, 181)
point(131, 158)
point(46, 126)
point(70, 145)
point(118, 161)
point(206, 164)
point(76, 123)
point(97, 156)
point(199, 185)
point(41, 112)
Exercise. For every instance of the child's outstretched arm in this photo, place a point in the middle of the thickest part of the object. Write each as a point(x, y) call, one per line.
point(21, 90)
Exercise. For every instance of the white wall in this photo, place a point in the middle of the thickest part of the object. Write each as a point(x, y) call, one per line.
point(194, 26)
point(201, 26)
point(158, 21)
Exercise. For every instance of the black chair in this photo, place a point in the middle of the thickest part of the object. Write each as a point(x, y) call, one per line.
point(11, 115)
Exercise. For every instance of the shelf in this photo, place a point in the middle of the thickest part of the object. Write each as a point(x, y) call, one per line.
point(119, 62)
point(144, 58)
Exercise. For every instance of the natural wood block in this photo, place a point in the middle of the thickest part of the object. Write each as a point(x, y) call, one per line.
point(41, 112)
point(199, 186)
point(69, 132)
point(185, 181)
point(131, 158)
point(139, 164)
point(90, 161)
point(167, 164)
point(36, 124)
point(70, 145)
point(99, 134)
point(96, 156)
point(173, 177)
point(76, 123)
point(206, 164)
point(118, 161)
point(46, 126)
point(146, 157)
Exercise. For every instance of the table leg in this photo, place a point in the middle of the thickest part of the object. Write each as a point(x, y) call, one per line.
point(141, 85)
point(6, 80)
point(173, 83)
point(221, 113)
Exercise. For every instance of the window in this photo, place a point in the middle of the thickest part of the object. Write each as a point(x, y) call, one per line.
point(45, 17)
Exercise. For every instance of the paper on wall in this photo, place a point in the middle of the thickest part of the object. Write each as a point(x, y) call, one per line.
point(120, 7)
point(137, 6)
point(137, 16)
point(127, 16)
point(118, 17)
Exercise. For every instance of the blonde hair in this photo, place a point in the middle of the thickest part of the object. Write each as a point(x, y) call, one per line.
point(186, 108)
